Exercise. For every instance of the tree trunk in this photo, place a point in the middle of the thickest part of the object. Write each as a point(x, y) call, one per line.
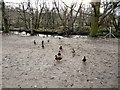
point(31, 21)
point(5, 19)
point(118, 23)
point(30, 17)
point(94, 27)
point(95, 19)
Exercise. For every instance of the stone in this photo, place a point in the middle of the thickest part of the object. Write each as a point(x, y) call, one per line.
point(52, 77)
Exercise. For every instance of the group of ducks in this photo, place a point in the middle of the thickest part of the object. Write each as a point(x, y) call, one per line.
point(84, 58)
point(58, 57)
point(42, 43)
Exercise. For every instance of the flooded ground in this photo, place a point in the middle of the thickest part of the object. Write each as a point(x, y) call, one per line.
point(27, 65)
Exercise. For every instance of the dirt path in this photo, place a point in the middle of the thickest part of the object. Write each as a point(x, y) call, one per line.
point(27, 65)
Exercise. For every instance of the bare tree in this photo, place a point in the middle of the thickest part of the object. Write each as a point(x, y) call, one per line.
point(5, 19)
point(24, 15)
point(98, 19)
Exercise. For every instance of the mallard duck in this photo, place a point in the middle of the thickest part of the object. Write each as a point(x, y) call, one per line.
point(73, 50)
point(84, 59)
point(42, 42)
point(48, 41)
point(57, 58)
point(35, 42)
point(60, 48)
point(59, 54)
point(42, 46)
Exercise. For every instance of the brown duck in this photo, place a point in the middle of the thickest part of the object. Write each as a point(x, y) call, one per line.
point(73, 50)
point(60, 48)
point(35, 42)
point(48, 40)
point(84, 59)
point(58, 58)
point(59, 54)
point(42, 46)
point(42, 42)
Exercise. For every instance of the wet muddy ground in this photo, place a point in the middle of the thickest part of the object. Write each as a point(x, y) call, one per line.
point(27, 65)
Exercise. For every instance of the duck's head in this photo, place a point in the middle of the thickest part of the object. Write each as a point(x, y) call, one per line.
point(84, 57)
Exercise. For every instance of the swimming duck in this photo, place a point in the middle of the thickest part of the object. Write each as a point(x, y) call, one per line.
point(84, 59)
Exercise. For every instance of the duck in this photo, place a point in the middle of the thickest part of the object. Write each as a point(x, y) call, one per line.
point(42, 46)
point(59, 54)
point(57, 58)
point(48, 41)
point(73, 50)
point(42, 42)
point(35, 42)
point(84, 59)
point(60, 48)
point(59, 38)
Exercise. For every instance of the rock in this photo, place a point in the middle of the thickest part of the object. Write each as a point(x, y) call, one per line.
point(111, 72)
point(58, 69)
point(19, 86)
point(96, 78)
point(104, 71)
point(65, 85)
point(64, 72)
point(6, 66)
point(35, 86)
point(52, 77)
point(54, 72)
point(65, 80)
point(26, 74)
point(77, 70)
point(72, 75)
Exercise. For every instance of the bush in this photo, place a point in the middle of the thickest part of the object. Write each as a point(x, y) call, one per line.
point(83, 30)
point(104, 31)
